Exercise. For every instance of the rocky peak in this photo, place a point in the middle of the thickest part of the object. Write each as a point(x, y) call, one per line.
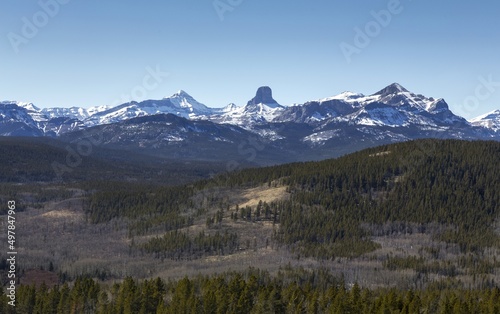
point(264, 95)
point(392, 89)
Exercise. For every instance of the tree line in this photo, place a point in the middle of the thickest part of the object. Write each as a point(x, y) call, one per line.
point(290, 291)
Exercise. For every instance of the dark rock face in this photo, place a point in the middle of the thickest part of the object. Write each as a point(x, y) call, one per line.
point(392, 89)
point(264, 95)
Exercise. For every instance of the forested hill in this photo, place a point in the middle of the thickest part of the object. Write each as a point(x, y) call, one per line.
point(453, 184)
point(447, 187)
point(42, 160)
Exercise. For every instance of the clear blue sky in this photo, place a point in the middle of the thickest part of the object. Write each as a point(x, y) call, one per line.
point(91, 52)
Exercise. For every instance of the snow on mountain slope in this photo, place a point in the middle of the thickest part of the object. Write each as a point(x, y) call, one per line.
point(318, 138)
point(248, 115)
point(392, 106)
point(183, 100)
point(16, 121)
point(490, 120)
point(10, 111)
point(33, 111)
point(378, 115)
point(259, 110)
point(55, 121)
point(26, 105)
point(96, 109)
point(180, 104)
point(72, 112)
point(397, 95)
point(46, 114)
point(345, 96)
point(391, 109)
point(314, 112)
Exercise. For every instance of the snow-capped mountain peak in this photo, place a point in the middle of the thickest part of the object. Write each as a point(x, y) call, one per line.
point(72, 112)
point(260, 109)
point(437, 105)
point(11, 111)
point(349, 95)
point(181, 104)
point(392, 89)
point(264, 95)
point(230, 107)
point(490, 115)
point(181, 99)
point(15, 120)
point(263, 107)
point(393, 107)
point(490, 120)
point(96, 109)
point(345, 96)
point(180, 93)
point(27, 105)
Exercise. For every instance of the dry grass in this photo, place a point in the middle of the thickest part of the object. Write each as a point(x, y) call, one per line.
point(62, 214)
point(251, 197)
point(380, 154)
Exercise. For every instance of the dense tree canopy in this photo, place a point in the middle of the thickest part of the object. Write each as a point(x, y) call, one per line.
point(296, 291)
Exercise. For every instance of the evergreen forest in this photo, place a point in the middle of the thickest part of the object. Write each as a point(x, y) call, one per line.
point(412, 227)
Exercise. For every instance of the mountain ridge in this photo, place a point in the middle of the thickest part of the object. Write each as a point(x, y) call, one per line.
point(263, 105)
point(321, 128)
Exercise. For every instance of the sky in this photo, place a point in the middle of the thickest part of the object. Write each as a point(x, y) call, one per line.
point(64, 53)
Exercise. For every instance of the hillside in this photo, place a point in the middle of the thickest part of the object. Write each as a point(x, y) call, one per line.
point(43, 160)
point(451, 183)
point(413, 215)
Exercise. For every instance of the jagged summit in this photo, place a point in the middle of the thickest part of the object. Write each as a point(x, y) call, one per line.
point(27, 105)
point(181, 93)
point(392, 89)
point(264, 95)
point(489, 120)
point(438, 105)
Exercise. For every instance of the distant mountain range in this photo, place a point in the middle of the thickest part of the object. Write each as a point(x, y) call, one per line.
point(182, 127)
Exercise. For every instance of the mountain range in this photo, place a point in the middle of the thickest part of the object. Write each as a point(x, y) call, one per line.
point(262, 131)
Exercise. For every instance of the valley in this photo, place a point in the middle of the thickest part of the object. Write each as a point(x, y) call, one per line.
point(234, 157)
point(409, 216)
